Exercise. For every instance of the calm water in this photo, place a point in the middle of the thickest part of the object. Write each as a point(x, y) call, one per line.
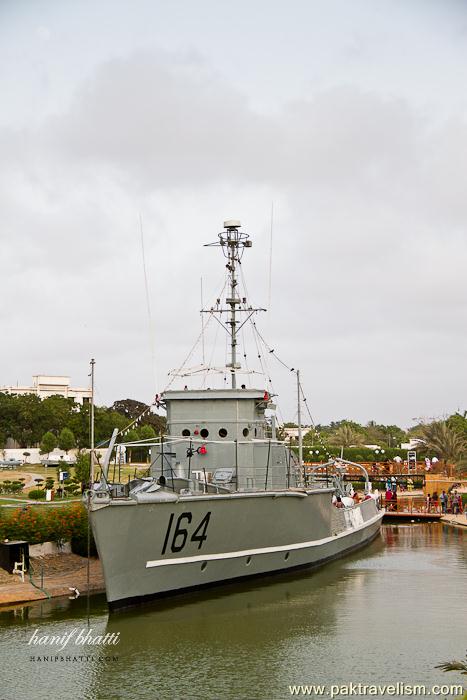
point(389, 613)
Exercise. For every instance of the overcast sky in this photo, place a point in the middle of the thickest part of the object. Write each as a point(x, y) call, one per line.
point(349, 116)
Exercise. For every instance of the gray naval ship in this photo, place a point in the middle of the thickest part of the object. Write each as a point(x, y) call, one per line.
point(224, 498)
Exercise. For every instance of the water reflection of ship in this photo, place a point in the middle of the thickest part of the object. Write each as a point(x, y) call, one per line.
point(255, 619)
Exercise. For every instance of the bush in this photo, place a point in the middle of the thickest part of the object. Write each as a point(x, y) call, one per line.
point(9, 486)
point(79, 545)
point(64, 524)
point(36, 494)
point(72, 489)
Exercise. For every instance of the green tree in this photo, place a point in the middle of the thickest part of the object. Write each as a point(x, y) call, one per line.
point(375, 434)
point(54, 413)
point(445, 443)
point(394, 435)
point(458, 422)
point(130, 436)
point(8, 415)
point(105, 420)
point(66, 440)
point(131, 409)
point(83, 468)
point(345, 436)
point(147, 432)
point(25, 429)
point(48, 443)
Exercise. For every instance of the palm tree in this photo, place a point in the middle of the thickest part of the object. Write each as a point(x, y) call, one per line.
point(346, 436)
point(446, 443)
point(455, 666)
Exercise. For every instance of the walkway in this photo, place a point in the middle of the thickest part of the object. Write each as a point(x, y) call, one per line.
point(459, 520)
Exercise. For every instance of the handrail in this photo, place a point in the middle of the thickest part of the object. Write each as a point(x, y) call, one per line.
point(336, 462)
point(150, 442)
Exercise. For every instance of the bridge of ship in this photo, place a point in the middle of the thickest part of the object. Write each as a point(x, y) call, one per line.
point(222, 436)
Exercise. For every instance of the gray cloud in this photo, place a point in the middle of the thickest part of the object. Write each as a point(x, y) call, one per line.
point(369, 247)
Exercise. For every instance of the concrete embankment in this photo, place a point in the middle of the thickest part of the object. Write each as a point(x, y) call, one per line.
point(458, 520)
point(56, 574)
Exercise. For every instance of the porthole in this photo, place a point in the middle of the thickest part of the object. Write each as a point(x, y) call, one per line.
point(287, 555)
point(204, 433)
point(246, 432)
point(222, 432)
point(248, 561)
point(204, 565)
point(186, 432)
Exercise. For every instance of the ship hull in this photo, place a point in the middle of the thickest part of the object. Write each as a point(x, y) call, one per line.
point(151, 550)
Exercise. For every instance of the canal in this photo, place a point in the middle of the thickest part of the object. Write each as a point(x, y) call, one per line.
point(389, 613)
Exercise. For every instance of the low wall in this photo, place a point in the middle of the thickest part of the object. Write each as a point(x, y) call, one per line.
point(39, 550)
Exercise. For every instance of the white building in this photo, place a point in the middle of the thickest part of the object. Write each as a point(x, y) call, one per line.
point(413, 444)
point(292, 433)
point(45, 385)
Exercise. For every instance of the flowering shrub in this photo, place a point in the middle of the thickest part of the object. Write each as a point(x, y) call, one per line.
point(55, 524)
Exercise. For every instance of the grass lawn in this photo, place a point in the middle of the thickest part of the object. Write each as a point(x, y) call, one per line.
point(127, 472)
point(4, 501)
point(35, 506)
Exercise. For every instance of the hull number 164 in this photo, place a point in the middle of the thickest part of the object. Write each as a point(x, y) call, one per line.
point(178, 536)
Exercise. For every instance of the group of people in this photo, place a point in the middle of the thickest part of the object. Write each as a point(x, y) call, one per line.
point(354, 495)
point(391, 493)
point(449, 502)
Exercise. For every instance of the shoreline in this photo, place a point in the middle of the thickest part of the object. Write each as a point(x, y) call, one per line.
point(455, 520)
point(62, 574)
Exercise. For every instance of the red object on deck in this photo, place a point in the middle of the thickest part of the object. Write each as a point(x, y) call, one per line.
point(202, 450)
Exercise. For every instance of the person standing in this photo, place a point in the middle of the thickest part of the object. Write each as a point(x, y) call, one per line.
point(443, 499)
point(428, 503)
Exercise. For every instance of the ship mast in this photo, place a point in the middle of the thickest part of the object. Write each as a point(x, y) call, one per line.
point(232, 238)
point(233, 242)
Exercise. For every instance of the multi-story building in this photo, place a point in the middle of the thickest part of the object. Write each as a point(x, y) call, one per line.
point(45, 385)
